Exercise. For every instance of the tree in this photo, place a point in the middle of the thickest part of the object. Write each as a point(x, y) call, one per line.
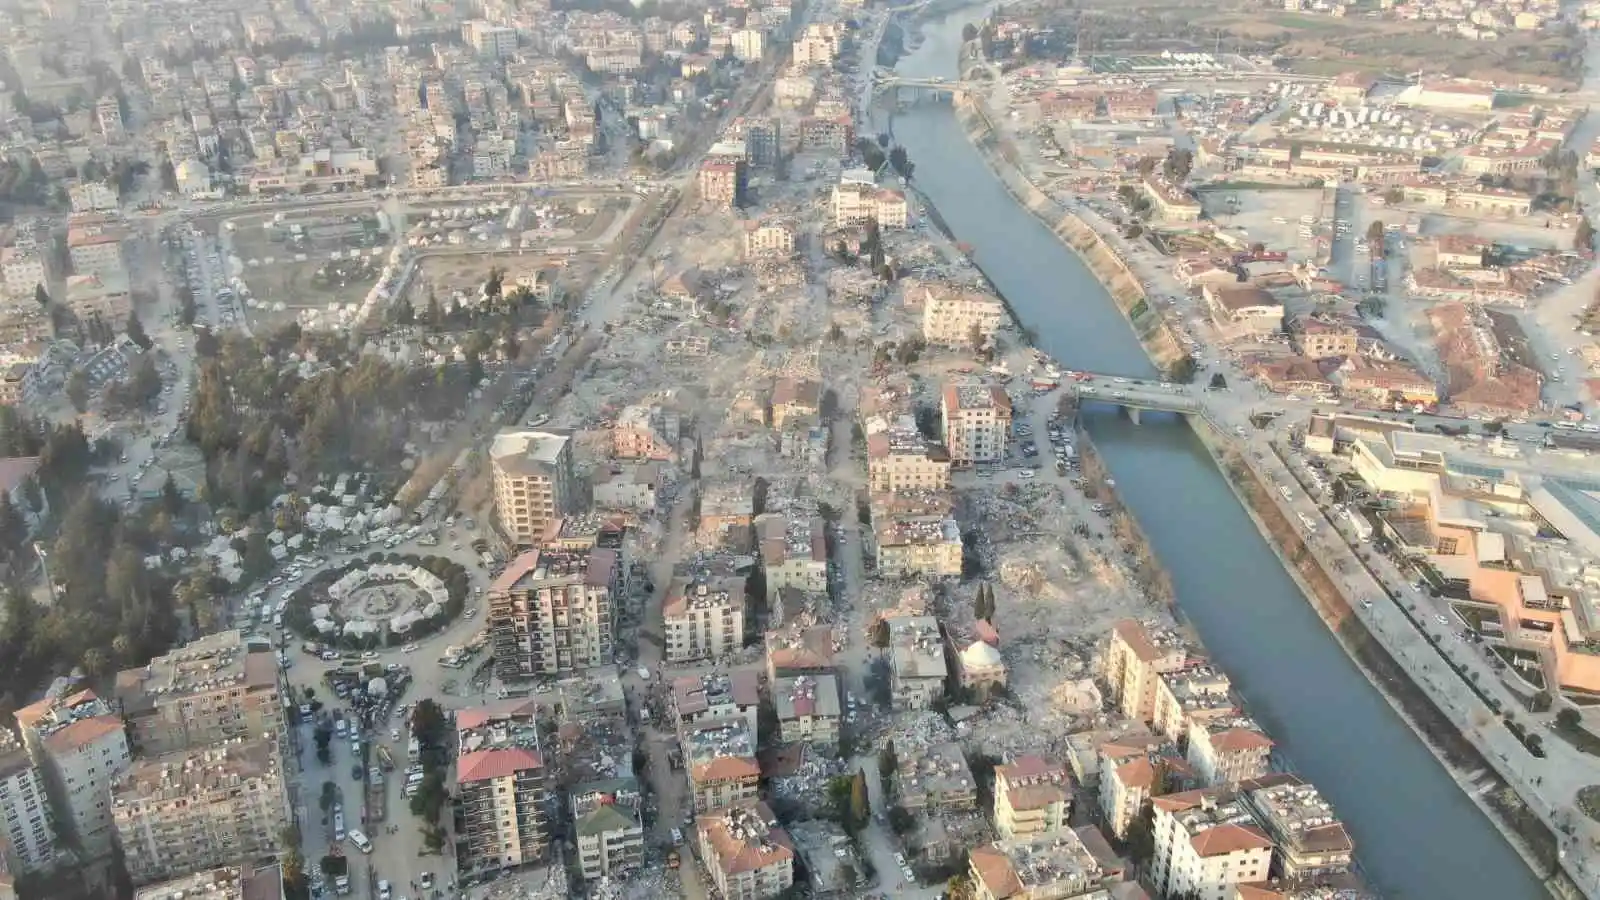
point(169, 176)
point(78, 390)
point(860, 806)
point(880, 633)
point(186, 305)
point(888, 762)
point(901, 163)
point(430, 797)
point(13, 527)
point(1219, 383)
point(1183, 369)
point(1375, 234)
point(1394, 196)
point(330, 795)
point(40, 295)
point(136, 332)
point(983, 603)
point(1178, 165)
point(1540, 702)
point(969, 32)
point(1583, 240)
point(322, 736)
point(1568, 717)
point(171, 500)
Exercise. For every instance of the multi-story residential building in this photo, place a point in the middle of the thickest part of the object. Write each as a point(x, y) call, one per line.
point(533, 483)
point(1135, 660)
point(550, 612)
point(1325, 337)
point(900, 459)
point(703, 619)
point(27, 829)
point(496, 41)
point(104, 296)
point(96, 248)
point(1032, 797)
point(1129, 775)
point(25, 269)
point(763, 141)
point(504, 807)
point(631, 486)
point(1228, 751)
point(855, 204)
point(237, 882)
point(794, 552)
point(605, 818)
point(720, 756)
point(768, 237)
point(23, 320)
point(722, 181)
point(749, 856)
point(1244, 308)
point(960, 318)
point(196, 809)
point(809, 710)
point(977, 422)
point(916, 545)
point(794, 398)
point(827, 134)
point(749, 44)
point(1205, 843)
point(80, 746)
point(1312, 844)
point(936, 780)
point(92, 196)
point(1199, 693)
point(1058, 867)
point(917, 669)
point(211, 689)
point(698, 699)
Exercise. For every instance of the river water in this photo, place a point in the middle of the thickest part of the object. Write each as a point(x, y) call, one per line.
point(1417, 835)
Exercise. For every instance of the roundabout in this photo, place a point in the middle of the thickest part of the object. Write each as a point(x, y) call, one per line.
point(385, 600)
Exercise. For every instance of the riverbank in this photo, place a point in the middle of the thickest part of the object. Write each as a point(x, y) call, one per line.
point(1160, 343)
point(1522, 830)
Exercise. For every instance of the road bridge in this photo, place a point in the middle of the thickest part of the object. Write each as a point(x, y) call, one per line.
point(1136, 396)
point(921, 88)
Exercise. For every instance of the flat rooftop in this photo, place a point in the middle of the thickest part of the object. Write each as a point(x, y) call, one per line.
point(189, 773)
point(528, 452)
point(216, 662)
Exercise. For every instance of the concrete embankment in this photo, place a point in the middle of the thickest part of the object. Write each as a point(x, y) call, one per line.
point(1149, 575)
point(1107, 266)
point(1521, 828)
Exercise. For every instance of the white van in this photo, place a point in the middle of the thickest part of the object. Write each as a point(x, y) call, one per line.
point(360, 840)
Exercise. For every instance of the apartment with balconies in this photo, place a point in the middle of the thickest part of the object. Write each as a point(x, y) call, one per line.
point(504, 800)
point(1135, 660)
point(550, 612)
point(954, 318)
point(1312, 844)
point(610, 833)
point(720, 759)
point(1206, 842)
point(809, 710)
point(1032, 796)
point(935, 780)
point(81, 747)
point(917, 667)
point(900, 459)
point(196, 809)
point(1228, 750)
point(533, 483)
point(977, 423)
point(27, 828)
point(748, 855)
point(1196, 693)
point(208, 690)
point(714, 696)
point(1052, 867)
point(703, 618)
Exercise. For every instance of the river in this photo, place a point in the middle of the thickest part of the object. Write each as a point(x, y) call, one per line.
point(1418, 837)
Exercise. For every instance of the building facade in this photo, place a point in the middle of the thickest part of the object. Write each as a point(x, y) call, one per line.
point(81, 747)
point(533, 483)
point(703, 619)
point(748, 855)
point(550, 612)
point(209, 690)
point(977, 423)
point(504, 805)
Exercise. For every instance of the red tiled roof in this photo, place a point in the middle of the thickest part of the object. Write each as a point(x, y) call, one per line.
point(485, 765)
point(1221, 840)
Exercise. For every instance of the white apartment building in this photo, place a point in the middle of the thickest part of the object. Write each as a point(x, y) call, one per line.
point(749, 44)
point(81, 747)
point(917, 669)
point(954, 318)
point(794, 552)
point(27, 831)
point(704, 620)
point(855, 204)
point(1205, 846)
point(495, 41)
point(809, 710)
point(1032, 797)
point(195, 810)
point(95, 250)
point(977, 423)
point(533, 483)
point(550, 612)
point(768, 238)
point(605, 817)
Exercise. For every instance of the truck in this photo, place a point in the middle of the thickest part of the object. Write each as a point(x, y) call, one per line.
point(1360, 525)
point(385, 759)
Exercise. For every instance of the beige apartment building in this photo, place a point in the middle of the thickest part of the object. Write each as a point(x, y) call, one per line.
point(605, 818)
point(80, 745)
point(703, 619)
point(1228, 751)
point(809, 710)
point(1032, 797)
point(95, 248)
point(503, 795)
point(27, 828)
point(1058, 867)
point(550, 612)
point(794, 552)
point(102, 295)
point(768, 237)
point(1129, 775)
point(977, 423)
point(855, 204)
point(1205, 844)
point(209, 690)
point(701, 699)
point(191, 810)
point(954, 318)
point(720, 757)
point(1197, 693)
point(1134, 663)
point(936, 780)
point(533, 483)
point(900, 459)
point(748, 855)
point(916, 546)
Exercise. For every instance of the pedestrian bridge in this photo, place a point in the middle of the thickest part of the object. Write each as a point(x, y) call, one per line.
point(1136, 396)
